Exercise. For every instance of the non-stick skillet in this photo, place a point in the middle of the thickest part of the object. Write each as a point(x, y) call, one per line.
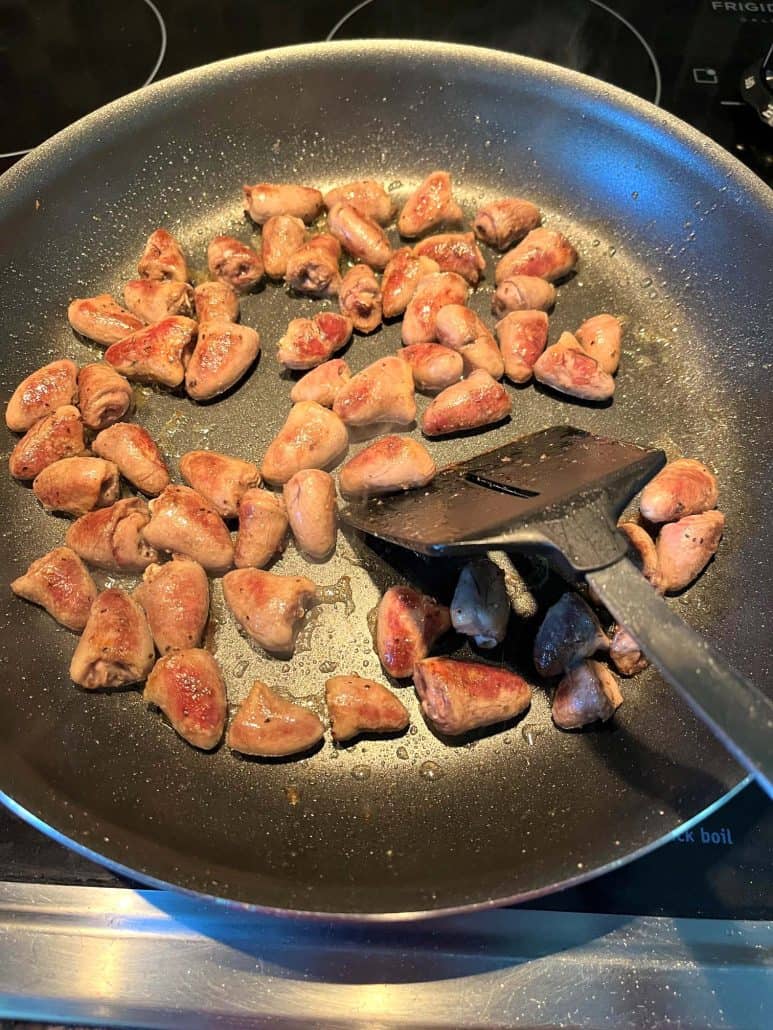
point(673, 234)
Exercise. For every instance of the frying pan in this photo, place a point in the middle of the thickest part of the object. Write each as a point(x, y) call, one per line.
point(673, 234)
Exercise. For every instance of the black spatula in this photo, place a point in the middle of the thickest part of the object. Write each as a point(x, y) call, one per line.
point(560, 492)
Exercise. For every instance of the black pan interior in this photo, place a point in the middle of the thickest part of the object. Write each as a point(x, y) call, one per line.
point(672, 234)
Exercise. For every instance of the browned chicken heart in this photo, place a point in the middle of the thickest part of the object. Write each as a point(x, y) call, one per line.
point(104, 396)
point(543, 252)
point(216, 302)
point(686, 547)
point(476, 401)
point(155, 299)
point(312, 437)
point(566, 367)
point(265, 200)
point(40, 394)
point(601, 337)
point(262, 529)
point(323, 383)
point(175, 599)
point(503, 222)
point(157, 353)
point(481, 607)
point(77, 485)
point(356, 705)
point(588, 693)
point(282, 235)
point(386, 466)
point(367, 197)
point(523, 336)
point(183, 521)
point(382, 392)
point(434, 366)
point(569, 632)
point(268, 726)
point(223, 354)
point(458, 327)
point(402, 275)
point(116, 648)
point(454, 252)
point(310, 500)
point(309, 342)
point(163, 258)
point(55, 436)
point(523, 293)
point(234, 263)
point(188, 687)
point(407, 625)
point(61, 584)
point(430, 205)
point(683, 487)
point(359, 297)
point(360, 236)
point(268, 607)
point(432, 293)
point(457, 697)
point(101, 319)
point(136, 454)
point(220, 478)
point(111, 538)
point(313, 268)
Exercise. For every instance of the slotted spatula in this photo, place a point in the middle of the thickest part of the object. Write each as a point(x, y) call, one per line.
point(560, 492)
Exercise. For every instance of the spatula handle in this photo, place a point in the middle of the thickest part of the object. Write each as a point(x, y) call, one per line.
point(735, 710)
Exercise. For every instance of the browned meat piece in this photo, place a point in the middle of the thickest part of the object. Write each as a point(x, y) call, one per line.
point(642, 551)
point(223, 354)
point(268, 726)
point(156, 354)
point(223, 480)
point(360, 298)
point(234, 263)
point(401, 276)
point(265, 200)
point(432, 293)
point(430, 205)
point(360, 236)
point(407, 625)
point(601, 337)
point(310, 499)
point(382, 392)
point(116, 648)
point(588, 693)
point(434, 367)
point(523, 336)
point(458, 327)
point(686, 547)
point(505, 221)
point(58, 435)
point(155, 299)
point(262, 529)
point(40, 394)
point(309, 342)
point(111, 538)
point(269, 608)
point(457, 697)
point(523, 293)
point(184, 522)
point(625, 653)
point(175, 599)
point(60, 583)
point(188, 687)
point(386, 466)
point(216, 302)
point(163, 258)
point(311, 438)
point(136, 454)
point(545, 253)
point(567, 368)
point(481, 607)
point(104, 396)
point(683, 487)
point(569, 632)
point(323, 383)
point(356, 705)
point(477, 401)
point(454, 252)
point(367, 197)
point(313, 268)
point(102, 320)
point(282, 236)
point(77, 485)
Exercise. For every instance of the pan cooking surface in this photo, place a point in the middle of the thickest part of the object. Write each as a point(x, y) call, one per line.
point(671, 234)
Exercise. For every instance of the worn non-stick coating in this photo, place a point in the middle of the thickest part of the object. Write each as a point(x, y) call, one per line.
point(672, 233)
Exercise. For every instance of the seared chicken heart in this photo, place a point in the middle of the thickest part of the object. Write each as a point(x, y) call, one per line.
point(310, 499)
point(268, 726)
point(216, 302)
point(269, 608)
point(481, 607)
point(311, 438)
point(262, 529)
point(40, 394)
point(600, 337)
point(111, 538)
point(522, 336)
point(104, 396)
point(430, 205)
point(234, 263)
point(434, 367)
point(55, 436)
point(523, 293)
point(356, 705)
point(432, 293)
point(461, 329)
point(77, 485)
point(367, 197)
point(386, 466)
point(155, 299)
point(569, 632)
point(360, 236)
point(136, 454)
point(504, 222)
point(686, 547)
point(102, 320)
point(116, 648)
point(323, 383)
point(401, 276)
point(223, 354)
point(476, 401)
point(545, 253)
point(454, 252)
point(683, 487)
point(282, 236)
point(642, 551)
point(265, 200)
point(188, 687)
point(457, 697)
point(156, 354)
point(163, 258)
point(566, 367)
point(359, 297)
point(407, 625)
point(309, 342)
point(625, 654)
point(223, 480)
point(588, 692)
point(61, 584)
point(313, 268)
point(175, 599)
point(382, 392)
point(183, 521)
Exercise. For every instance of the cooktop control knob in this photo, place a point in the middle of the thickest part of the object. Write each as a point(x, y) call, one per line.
point(757, 87)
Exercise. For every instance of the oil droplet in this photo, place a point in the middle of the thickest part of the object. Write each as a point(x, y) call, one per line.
point(240, 668)
point(339, 592)
point(292, 794)
point(413, 730)
point(361, 772)
point(430, 771)
point(328, 667)
point(635, 194)
point(530, 732)
point(402, 753)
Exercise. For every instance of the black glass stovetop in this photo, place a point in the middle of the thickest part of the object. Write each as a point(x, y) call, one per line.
point(60, 59)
